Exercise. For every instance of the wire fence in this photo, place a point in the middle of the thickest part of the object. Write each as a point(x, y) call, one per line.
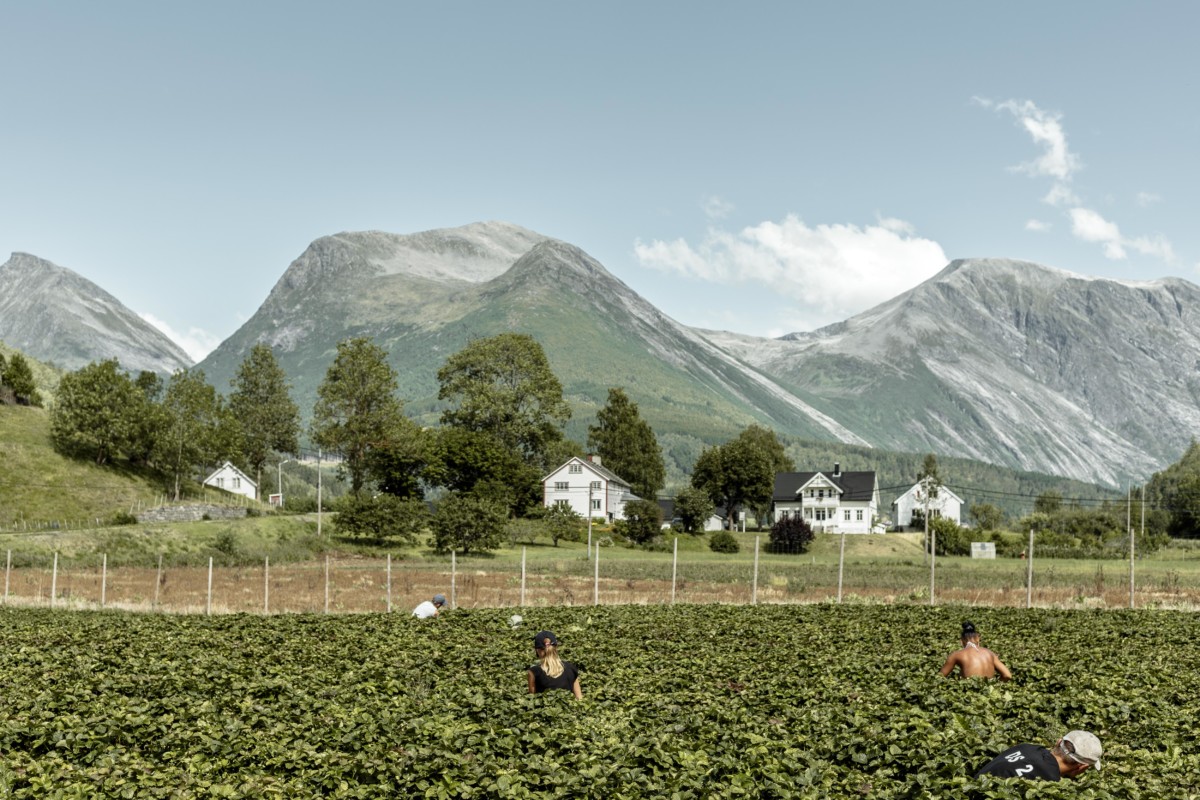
point(604, 576)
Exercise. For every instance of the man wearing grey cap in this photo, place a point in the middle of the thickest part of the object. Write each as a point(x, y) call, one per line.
point(1074, 753)
point(428, 608)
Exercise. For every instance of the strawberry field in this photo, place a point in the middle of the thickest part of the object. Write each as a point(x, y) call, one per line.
point(679, 702)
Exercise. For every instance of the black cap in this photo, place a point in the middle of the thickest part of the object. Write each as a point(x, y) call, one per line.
point(543, 638)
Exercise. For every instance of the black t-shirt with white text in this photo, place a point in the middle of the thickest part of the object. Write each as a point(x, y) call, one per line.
point(542, 681)
point(1023, 761)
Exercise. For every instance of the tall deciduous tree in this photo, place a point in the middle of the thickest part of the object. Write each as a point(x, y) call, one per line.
point(357, 410)
point(18, 377)
point(627, 445)
point(91, 417)
point(503, 385)
point(263, 405)
point(739, 473)
point(198, 428)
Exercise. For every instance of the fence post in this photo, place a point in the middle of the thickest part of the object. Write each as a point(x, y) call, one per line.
point(453, 580)
point(841, 564)
point(1029, 572)
point(522, 576)
point(389, 583)
point(7, 572)
point(596, 578)
point(674, 568)
point(157, 580)
point(326, 583)
point(54, 581)
point(932, 561)
point(754, 582)
point(103, 578)
point(266, 584)
point(208, 597)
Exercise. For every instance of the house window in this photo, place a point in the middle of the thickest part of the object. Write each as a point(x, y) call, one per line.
point(810, 492)
point(563, 504)
point(575, 469)
point(596, 485)
point(220, 483)
point(237, 483)
point(859, 512)
point(820, 515)
point(847, 515)
point(561, 486)
point(595, 505)
point(786, 514)
point(820, 494)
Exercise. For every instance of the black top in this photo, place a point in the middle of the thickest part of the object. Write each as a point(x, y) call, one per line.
point(1023, 761)
point(543, 682)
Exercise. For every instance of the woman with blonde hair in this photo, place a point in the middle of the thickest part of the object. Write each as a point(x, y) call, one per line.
point(551, 672)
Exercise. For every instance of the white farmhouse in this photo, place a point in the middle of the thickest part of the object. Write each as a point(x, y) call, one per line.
point(947, 505)
point(831, 502)
point(587, 488)
point(232, 479)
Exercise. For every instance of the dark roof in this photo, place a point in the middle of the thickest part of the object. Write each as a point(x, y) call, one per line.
point(858, 486)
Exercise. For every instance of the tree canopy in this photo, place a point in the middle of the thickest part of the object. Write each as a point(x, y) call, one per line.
point(91, 416)
point(627, 445)
point(262, 403)
point(742, 471)
point(503, 385)
point(357, 409)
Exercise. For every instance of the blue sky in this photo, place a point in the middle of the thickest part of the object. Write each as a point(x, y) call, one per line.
point(755, 167)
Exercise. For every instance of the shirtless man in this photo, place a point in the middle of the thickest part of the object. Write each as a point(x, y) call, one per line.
point(974, 661)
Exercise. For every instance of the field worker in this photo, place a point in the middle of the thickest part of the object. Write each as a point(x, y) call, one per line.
point(974, 661)
point(430, 608)
point(1074, 753)
point(551, 672)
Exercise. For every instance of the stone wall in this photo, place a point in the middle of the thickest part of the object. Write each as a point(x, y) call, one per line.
point(190, 513)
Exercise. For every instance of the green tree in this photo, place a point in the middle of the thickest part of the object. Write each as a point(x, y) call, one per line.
point(465, 523)
point(643, 521)
point(479, 463)
point(357, 410)
point(262, 403)
point(693, 507)
point(503, 385)
point(198, 429)
point(146, 417)
point(1048, 502)
point(18, 377)
point(402, 464)
point(929, 481)
point(739, 473)
point(987, 517)
point(767, 442)
point(562, 523)
point(381, 518)
point(627, 445)
point(791, 534)
point(91, 416)
point(952, 539)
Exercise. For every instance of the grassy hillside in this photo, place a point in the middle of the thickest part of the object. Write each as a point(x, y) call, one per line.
point(39, 485)
point(45, 376)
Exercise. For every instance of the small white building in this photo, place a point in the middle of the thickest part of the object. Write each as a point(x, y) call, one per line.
point(946, 505)
point(715, 521)
point(831, 502)
point(588, 488)
point(232, 479)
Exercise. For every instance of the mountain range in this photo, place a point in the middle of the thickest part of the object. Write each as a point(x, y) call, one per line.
point(997, 360)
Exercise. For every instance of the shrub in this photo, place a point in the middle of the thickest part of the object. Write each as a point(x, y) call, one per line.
point(465, 522)
point(643, 521)
point(723, 542)
point(951, 539)
point(122, 518)
point(382, 517)
point(790, 535)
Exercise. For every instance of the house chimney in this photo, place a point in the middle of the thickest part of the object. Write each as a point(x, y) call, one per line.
point(837, 469)
point(595, 459)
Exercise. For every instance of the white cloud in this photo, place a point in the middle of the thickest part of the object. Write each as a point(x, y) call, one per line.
point(716, 207)
point(1056, 161)
point(1037, 225)
point(1089, 226)
point(830, 271)
point(197, 343)
point(1144, 199)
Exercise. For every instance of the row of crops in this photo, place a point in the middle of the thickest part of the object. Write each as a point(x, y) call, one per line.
point(679, 702)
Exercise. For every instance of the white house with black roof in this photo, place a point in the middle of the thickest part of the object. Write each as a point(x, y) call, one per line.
point(588, 488)
point(831, 502)
point(947, 505)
